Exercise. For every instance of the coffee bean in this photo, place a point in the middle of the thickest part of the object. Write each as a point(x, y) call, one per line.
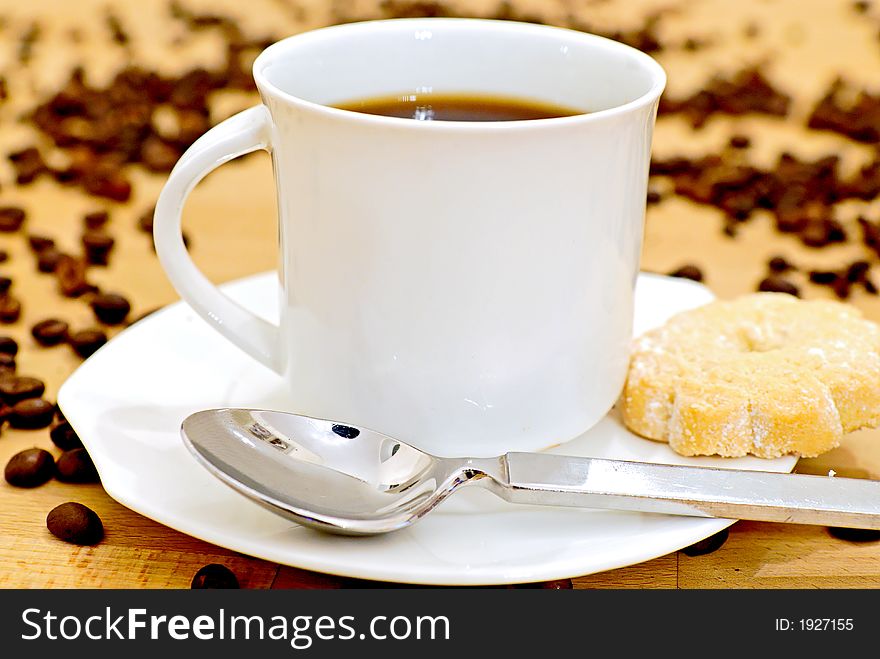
point(870, 287)
point(97, 245)
point(558, 584)
point(214, 576)
point(18, 388)
point(653, 197)
point(4, 256)
point(740, 142)
point(823, 277)
point(5, 285)
point(30, 468)
point(71, 274)
point(28, 164)
point(110, 308)
point(779, 264)
point(854, 535)
point(39, 243)
point(777, 284)
point(11, 218)
point(841, 287)
point(8, 345)
point(112, 185)
point(50, 332)
point(707, 545)
point(86, 342)
point(688, 271)
point(76, 466)
point(96, 219)
point(32, 413)
point(75, 523)
point(7, 364)
point(10, 309)
point(857, 271)
point(47, 260)
point(820, 233)
point(145, 221)
point(64, 436)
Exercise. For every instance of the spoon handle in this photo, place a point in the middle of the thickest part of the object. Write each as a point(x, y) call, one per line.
point(693, 491)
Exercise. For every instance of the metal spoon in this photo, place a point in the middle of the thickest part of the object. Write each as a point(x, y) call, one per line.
point(349, 480)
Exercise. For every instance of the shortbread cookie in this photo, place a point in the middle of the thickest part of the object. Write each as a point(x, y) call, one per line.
point(766, 374)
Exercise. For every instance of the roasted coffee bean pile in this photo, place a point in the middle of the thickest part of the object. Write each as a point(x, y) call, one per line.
point(746, 92)
point(800, 195)
point(101, 129)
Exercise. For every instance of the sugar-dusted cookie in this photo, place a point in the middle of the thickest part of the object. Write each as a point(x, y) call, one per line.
point(766, 374)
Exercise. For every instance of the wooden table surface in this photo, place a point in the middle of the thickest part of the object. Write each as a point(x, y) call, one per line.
point(231, 218)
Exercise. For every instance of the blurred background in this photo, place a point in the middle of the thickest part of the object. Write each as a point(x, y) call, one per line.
point(766, 167)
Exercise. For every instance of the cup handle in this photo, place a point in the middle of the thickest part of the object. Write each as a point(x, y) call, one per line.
point(242, 133)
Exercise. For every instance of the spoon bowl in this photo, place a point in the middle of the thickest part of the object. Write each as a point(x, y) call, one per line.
point(320, 473)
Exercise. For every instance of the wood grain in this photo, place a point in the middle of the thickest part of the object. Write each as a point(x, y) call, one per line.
point(231, 215)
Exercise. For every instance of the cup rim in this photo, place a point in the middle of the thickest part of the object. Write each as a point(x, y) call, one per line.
point(274, 51)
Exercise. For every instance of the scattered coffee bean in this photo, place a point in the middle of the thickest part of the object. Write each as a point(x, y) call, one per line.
point(86, 342)
point(76, 466)
point(214, 576)
point(50, 332)
point(740, 142)
point(779, 264)
point(556, 584)
point(777, 284)
point(97, 245)
point(10, 309)
point(47, 260)
point(75, 523)
point(18, 388)
point(5, 285)
point(707, 545)
point(71, 274)
point(7, 364)
point(861, 6)
point(32, 413)
point(4, 256)
point(11, 218)
point(823, 232)
point(64, 436)
point(39, 243)
point(653, 197)
point(854, 535)
point(857, 271)
point(823, 277)
point(145, 221)
point(688, 271)
point(8, 345)
point(28, 164)
point(96, 219)
point(30, 468)
point(110, 308)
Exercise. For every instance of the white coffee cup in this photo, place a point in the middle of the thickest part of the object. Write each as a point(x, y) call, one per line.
point(463, 286)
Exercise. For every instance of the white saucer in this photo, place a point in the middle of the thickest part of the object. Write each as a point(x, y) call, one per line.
point(127, 402)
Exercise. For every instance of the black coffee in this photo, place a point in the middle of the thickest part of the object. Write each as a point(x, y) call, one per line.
point(458, 107)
